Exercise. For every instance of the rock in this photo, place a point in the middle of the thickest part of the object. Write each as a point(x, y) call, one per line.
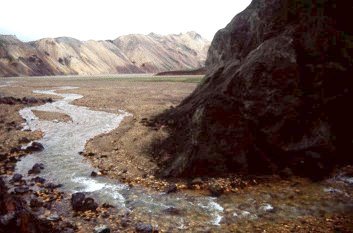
point(35, 147)
point(15, 149)
point(36, 168)
point(52, 186)
point(35, 203)
point(216, 190)
point(90, 204)
point(29, 100)
point(267, 208)
point(143, 228)
point(16, 177)
point(286, 173)
point(107, 205)
point(272, 76)
point(197, 180)
point(102, 229)
point(21, 190)
point(38, 180)
point(125, 222)
point(172, 211)
point(171, 189)
point(7, 218)
point(15, 217)
point(79, 202)
point(53, 218)
point(94, 174)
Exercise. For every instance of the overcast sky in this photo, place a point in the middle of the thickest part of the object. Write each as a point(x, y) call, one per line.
point(107, 19)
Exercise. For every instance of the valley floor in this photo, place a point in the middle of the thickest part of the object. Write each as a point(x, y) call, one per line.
point(124, 154)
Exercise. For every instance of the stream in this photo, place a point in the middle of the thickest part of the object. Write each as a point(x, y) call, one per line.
point(63, 164)
point(63, 141)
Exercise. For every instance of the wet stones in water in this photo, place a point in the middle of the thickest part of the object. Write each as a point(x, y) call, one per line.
point(52, 186)
point(38, 180)
point(35, 147)
point(267, 208)
point(21, 190)
point(94, 174)
point(106, 205)
point(36, 168)
point(102, 229)
point(172, 211)
point(79, 202)
point(171, 189)
point(144, 228)
point(16, 177)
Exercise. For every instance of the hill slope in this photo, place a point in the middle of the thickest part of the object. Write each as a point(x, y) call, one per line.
point(127, 54)
point(275, 97)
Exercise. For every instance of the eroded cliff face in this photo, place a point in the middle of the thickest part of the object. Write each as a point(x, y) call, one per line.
point(277, 94)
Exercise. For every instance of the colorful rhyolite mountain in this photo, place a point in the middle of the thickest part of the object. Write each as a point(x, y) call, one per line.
point(134, 53)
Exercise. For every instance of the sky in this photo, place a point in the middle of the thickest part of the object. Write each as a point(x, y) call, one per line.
point(108, 19)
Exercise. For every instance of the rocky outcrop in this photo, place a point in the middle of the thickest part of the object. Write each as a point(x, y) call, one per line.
point(276, 96)
point(15, 217)
point(127, 54)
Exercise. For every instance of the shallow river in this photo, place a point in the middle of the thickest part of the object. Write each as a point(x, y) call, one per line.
point(63, 141)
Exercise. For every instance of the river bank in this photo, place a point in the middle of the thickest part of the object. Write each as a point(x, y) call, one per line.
point(248, 203)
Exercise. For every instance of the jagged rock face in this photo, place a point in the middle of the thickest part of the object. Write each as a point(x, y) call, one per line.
point(277, 94)
point(127, 54)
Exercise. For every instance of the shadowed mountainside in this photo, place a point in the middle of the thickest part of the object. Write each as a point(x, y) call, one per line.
point(276, 96)
point(127, 54)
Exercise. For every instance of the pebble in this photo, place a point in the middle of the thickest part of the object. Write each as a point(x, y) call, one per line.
point(53, 217)
point(102, 229)
point(143, 228)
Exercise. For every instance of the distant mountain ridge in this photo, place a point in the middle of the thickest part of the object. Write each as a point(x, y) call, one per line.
point(133, 53)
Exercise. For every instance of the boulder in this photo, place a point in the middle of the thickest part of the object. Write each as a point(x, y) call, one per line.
point(36, 168)
point(35, 147)
point(279, 81)
point(79, 202)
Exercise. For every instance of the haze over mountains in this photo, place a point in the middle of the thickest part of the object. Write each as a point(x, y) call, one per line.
point(133, 53)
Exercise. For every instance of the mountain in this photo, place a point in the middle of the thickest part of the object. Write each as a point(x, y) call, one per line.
point(133, 53)
point(276, 96)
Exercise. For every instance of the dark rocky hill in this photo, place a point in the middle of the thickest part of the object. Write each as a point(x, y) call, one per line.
point(276, 98)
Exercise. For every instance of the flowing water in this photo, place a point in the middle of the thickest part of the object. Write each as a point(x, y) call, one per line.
point(63, 141)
